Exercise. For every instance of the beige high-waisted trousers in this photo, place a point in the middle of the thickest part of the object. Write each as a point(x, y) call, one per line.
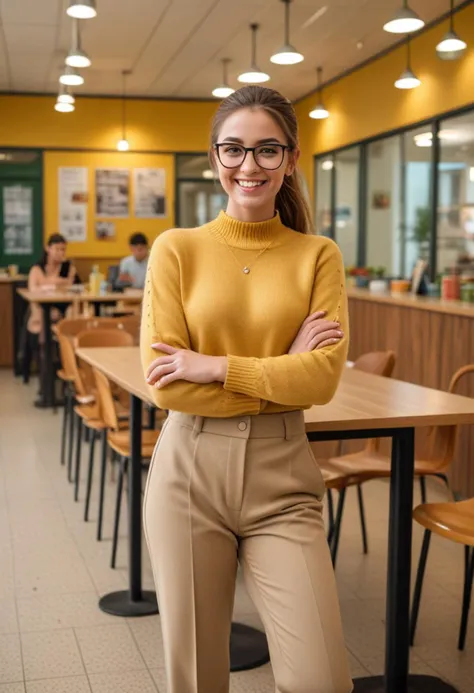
point(247, 490)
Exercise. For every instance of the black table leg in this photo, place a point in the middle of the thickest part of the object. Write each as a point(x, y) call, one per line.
point(397, 678)
point(47, 367)
point(97, 306)
point(134, 601)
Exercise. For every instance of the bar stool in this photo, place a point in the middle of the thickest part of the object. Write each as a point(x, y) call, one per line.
point(454, 521)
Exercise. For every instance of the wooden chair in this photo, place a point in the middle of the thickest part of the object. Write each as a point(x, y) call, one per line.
point(454, 521)
point(119, 441)
point(377, 363)
point(434, 454)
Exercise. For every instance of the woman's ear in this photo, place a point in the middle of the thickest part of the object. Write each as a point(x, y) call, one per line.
point(292, 162)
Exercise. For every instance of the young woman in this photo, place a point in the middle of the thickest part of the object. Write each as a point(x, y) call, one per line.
point(234, 346)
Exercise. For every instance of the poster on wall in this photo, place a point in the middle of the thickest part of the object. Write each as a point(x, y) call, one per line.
point(149, 192)
point(17, 220)
point(73, 202)
point(112, 192)
point(104, 230)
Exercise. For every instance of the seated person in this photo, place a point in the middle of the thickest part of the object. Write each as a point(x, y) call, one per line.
point(133, 267)
point(52, 271)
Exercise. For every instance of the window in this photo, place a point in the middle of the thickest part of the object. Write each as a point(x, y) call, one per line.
point(347, 203)
point(455, 213)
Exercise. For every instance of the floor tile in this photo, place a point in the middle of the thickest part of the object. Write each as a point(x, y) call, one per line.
point(109, 649)
point(75, 684)
point(61, 611)
point(11, 669)
point(8, 617)
point(123, 682)
point(51, 654)
point(12, 688)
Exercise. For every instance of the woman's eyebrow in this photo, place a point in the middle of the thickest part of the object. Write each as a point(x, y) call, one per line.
point(267, 140)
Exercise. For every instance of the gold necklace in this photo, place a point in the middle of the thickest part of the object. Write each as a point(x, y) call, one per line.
point(246, 269)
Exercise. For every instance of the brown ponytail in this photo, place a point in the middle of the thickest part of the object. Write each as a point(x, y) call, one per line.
point(291, 201)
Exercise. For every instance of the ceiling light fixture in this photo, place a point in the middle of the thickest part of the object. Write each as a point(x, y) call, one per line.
point(320, 111)
point(82, 9)
point(65, 95)
point(223, 90)
point(405, 21)
point(287, 54)
point(451, 46)
point(254, 75)
point(123, 145)
point(64, 107)
point(77, 57)
point(71, 78)
point(408, 80)
point(327, 165)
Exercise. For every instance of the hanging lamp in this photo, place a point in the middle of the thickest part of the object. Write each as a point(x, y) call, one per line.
point(320, 111)
point(76, 56)
point(71, 78)
point(63, 107)
point(82, 9)
point(254, 75)
point(451, 47)
point(123, 145)
point(223, 90)
point(287, 54)
point(65, 95)
point(405, 21)
point(408, 79)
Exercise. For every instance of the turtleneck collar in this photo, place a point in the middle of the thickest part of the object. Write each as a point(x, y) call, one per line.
point(245, 234)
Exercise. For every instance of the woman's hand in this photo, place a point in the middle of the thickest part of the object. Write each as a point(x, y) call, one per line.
point(316, 333)
point(184, 364)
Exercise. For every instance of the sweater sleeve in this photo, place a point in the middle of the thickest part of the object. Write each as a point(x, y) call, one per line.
point(308, 378)
point(163, 320)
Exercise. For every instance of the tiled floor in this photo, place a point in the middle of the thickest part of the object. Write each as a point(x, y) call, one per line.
point(54, 638)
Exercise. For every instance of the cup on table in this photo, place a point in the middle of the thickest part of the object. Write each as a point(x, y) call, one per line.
point(13, 270)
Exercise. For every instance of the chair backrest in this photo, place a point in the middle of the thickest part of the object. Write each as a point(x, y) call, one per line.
point(104, 338)
point(105, 400)
point(131, 324)
point(69, 364)
point(376, 362)
point(73, 326)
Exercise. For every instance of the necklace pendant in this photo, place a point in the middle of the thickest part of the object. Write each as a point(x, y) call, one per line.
point(246, 270)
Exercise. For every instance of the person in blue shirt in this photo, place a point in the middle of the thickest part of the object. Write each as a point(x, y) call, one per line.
point(133, 267)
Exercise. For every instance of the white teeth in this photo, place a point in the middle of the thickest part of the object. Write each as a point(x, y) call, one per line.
point(250, 183)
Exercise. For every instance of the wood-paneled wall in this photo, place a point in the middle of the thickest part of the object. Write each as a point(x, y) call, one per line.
point(6, 322)
point(430, 346)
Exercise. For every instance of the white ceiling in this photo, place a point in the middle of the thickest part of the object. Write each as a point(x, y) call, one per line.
point(173, 47)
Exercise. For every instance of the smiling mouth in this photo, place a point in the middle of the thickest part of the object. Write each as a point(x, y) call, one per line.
point(250, 183)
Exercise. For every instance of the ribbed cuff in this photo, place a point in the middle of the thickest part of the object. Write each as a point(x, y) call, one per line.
point(242, 375)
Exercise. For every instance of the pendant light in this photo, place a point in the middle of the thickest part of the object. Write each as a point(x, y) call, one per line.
point(320, 111)
point(408, 80)
point(77, 57)
point(122, 145)
point(71, 78)
point(65, 95)
point(451, 46)
point(287, 55)
point(405, 21)
point(82, 9)
point(223, 90)
point(254, 75)
point(62, 107)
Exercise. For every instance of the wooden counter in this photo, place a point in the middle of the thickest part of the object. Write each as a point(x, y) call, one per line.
point(432, 339)
point(9, 318)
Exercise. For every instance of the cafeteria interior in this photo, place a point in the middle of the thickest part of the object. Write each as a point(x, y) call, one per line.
point(104, 128)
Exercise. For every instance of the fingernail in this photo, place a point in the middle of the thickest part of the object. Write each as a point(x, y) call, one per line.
point(340, 334)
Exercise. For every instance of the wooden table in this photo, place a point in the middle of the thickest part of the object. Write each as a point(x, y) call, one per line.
point(47, 299)
point(365, 406)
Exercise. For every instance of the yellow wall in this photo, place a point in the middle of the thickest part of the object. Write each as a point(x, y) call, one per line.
point(117, 247)
point(366, 103)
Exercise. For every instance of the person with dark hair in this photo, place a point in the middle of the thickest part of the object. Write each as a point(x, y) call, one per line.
point(245, 325)
point(133, 267)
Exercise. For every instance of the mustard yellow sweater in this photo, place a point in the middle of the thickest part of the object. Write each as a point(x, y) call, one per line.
point(197, 297)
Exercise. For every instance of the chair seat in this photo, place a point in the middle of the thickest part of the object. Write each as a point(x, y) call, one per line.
point(63, 376)
point(454, 521)
point(87, 411)
point(368, 464)
point(120, 442)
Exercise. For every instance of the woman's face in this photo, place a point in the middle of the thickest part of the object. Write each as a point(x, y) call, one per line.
point(251, 187)
point(57, 252)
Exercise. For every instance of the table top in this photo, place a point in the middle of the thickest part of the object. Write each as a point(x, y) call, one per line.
point(408, 300)
point(362, 401)
point(131, 296)
point(6, 279)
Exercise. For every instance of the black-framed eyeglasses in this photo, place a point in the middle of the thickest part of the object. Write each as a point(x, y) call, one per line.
point(267, 156)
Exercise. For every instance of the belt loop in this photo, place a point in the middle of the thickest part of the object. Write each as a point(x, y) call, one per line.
point(287, 427)
point(198, 421)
